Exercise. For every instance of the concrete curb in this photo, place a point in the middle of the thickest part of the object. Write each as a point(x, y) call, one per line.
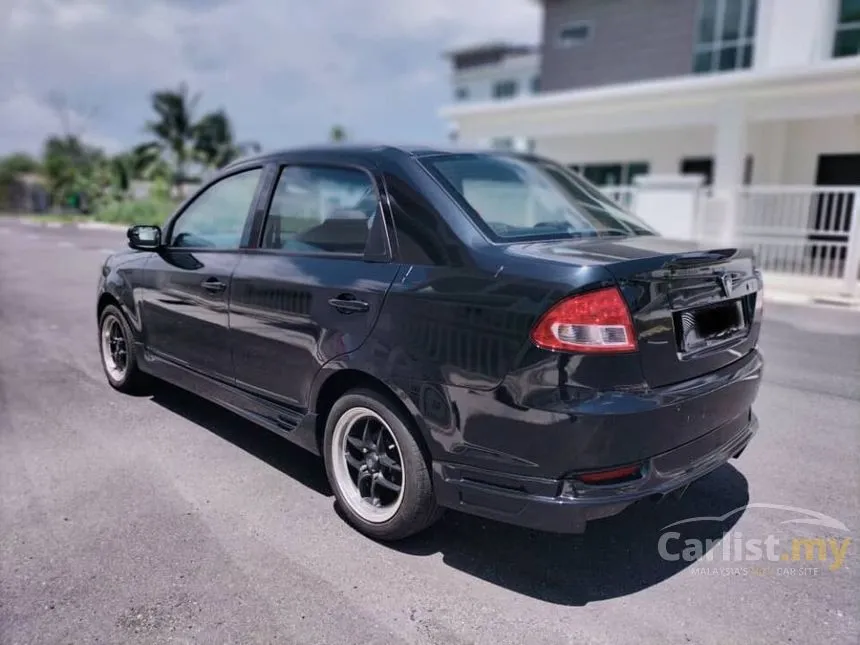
point(792, 298)
point(86, 225)
point(101, 226)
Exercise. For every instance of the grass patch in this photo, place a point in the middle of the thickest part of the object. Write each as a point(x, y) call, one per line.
point(143, 211)
point(139, 211)
point(54, 218)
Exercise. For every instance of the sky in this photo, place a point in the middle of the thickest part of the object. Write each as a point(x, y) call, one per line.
point(284, 70)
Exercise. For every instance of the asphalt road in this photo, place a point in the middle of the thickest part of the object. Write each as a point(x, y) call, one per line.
point(164, 519)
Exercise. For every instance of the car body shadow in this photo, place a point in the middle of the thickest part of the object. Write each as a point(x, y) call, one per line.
point(616, 556)
point(267, 446)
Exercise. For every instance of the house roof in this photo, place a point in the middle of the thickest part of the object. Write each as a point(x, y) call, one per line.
point(486, 54)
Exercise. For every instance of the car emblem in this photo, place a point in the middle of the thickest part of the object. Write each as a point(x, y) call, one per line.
point(726, 284)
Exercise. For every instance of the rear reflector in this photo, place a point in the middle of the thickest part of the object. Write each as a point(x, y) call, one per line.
point(593, 322)
point(614, 476)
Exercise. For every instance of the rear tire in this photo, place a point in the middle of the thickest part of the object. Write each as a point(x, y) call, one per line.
point(118, 353)
point(377, 469)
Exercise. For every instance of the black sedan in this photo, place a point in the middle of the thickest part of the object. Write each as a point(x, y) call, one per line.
point(478, 331)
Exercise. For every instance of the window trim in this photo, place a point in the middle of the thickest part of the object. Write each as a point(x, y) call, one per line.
point(718, 44)
point(840, 27)
point(249, 216)
point(514, 83)
point(378, 230)
point(567, 44)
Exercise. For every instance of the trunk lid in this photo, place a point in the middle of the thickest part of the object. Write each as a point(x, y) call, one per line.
point(695, 308)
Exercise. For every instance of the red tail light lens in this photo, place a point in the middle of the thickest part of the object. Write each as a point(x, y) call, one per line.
point(613, 476)
point(595, 322)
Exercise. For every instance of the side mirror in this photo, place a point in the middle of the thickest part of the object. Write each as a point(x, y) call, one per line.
point(144, 238)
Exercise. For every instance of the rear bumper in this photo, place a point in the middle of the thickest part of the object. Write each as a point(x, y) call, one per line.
point(566, 506)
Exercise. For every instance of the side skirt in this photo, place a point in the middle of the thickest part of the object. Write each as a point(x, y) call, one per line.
point(297, 426)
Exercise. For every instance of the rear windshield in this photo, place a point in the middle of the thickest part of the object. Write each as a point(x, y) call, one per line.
point(516, 198)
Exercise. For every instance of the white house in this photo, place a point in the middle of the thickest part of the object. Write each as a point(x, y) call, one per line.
point(494, 72)
point(760, 99)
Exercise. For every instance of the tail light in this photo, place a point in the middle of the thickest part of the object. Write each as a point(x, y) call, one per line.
point(612, 476)
point(594, 322)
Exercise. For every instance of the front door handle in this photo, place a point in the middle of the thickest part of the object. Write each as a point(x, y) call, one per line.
point(213, 285)
point(346, 303)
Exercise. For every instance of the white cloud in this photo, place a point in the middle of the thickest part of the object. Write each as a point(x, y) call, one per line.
point(29, 121)
point(284, 70)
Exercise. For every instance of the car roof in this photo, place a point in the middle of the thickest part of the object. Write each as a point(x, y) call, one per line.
point(368, 150)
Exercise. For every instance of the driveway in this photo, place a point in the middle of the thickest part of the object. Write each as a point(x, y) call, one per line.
point(166, 519)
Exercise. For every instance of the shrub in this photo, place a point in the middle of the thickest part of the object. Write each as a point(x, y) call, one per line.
point(142, 211)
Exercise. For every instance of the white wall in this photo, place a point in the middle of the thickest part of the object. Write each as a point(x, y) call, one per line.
point(663, 150)
point(783, 152)
point(793, 33)
point(480, 80)
point(808, 139)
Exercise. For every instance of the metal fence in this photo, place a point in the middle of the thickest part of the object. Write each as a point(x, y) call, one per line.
point(802, 230)
point(624, 195)
point(798, 232)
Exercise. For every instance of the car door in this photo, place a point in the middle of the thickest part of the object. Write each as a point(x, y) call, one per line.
point(184, 310)
point(314, 288)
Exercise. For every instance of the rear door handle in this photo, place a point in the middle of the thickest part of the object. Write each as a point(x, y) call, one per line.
point(213, 285)
point(346, 303)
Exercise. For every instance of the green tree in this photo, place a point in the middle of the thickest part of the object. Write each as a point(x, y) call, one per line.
point(71, 167)
point(215, 145)
point(18, 163)
point(174, 129)
point(337, 134)
point(11, 169)
point(190, 144)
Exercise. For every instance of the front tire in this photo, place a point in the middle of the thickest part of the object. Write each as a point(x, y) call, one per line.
point(377, 469)
point(117, 350)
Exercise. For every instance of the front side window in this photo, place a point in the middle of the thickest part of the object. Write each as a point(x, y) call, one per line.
point(725, 35)
point(321, 209)
point(846, 41)
point(513, 198)
point(216, 218)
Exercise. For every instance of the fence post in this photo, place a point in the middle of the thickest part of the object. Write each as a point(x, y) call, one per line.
point(852, 257)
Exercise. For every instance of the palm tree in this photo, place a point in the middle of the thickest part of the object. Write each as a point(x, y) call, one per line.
point(207, 142)
point(214, 144)
point(174, 129)
point(337, 134)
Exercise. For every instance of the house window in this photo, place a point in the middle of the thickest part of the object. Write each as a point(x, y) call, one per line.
point(611, 174)
point(725, 35)
point(504, 89)
point(502, 143)
point(574, 33)
point(535, 85)
point(846, 40)
point(704, 166)
point(461, 93)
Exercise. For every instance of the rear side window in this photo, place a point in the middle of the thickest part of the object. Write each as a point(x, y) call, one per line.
point(321, 209)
